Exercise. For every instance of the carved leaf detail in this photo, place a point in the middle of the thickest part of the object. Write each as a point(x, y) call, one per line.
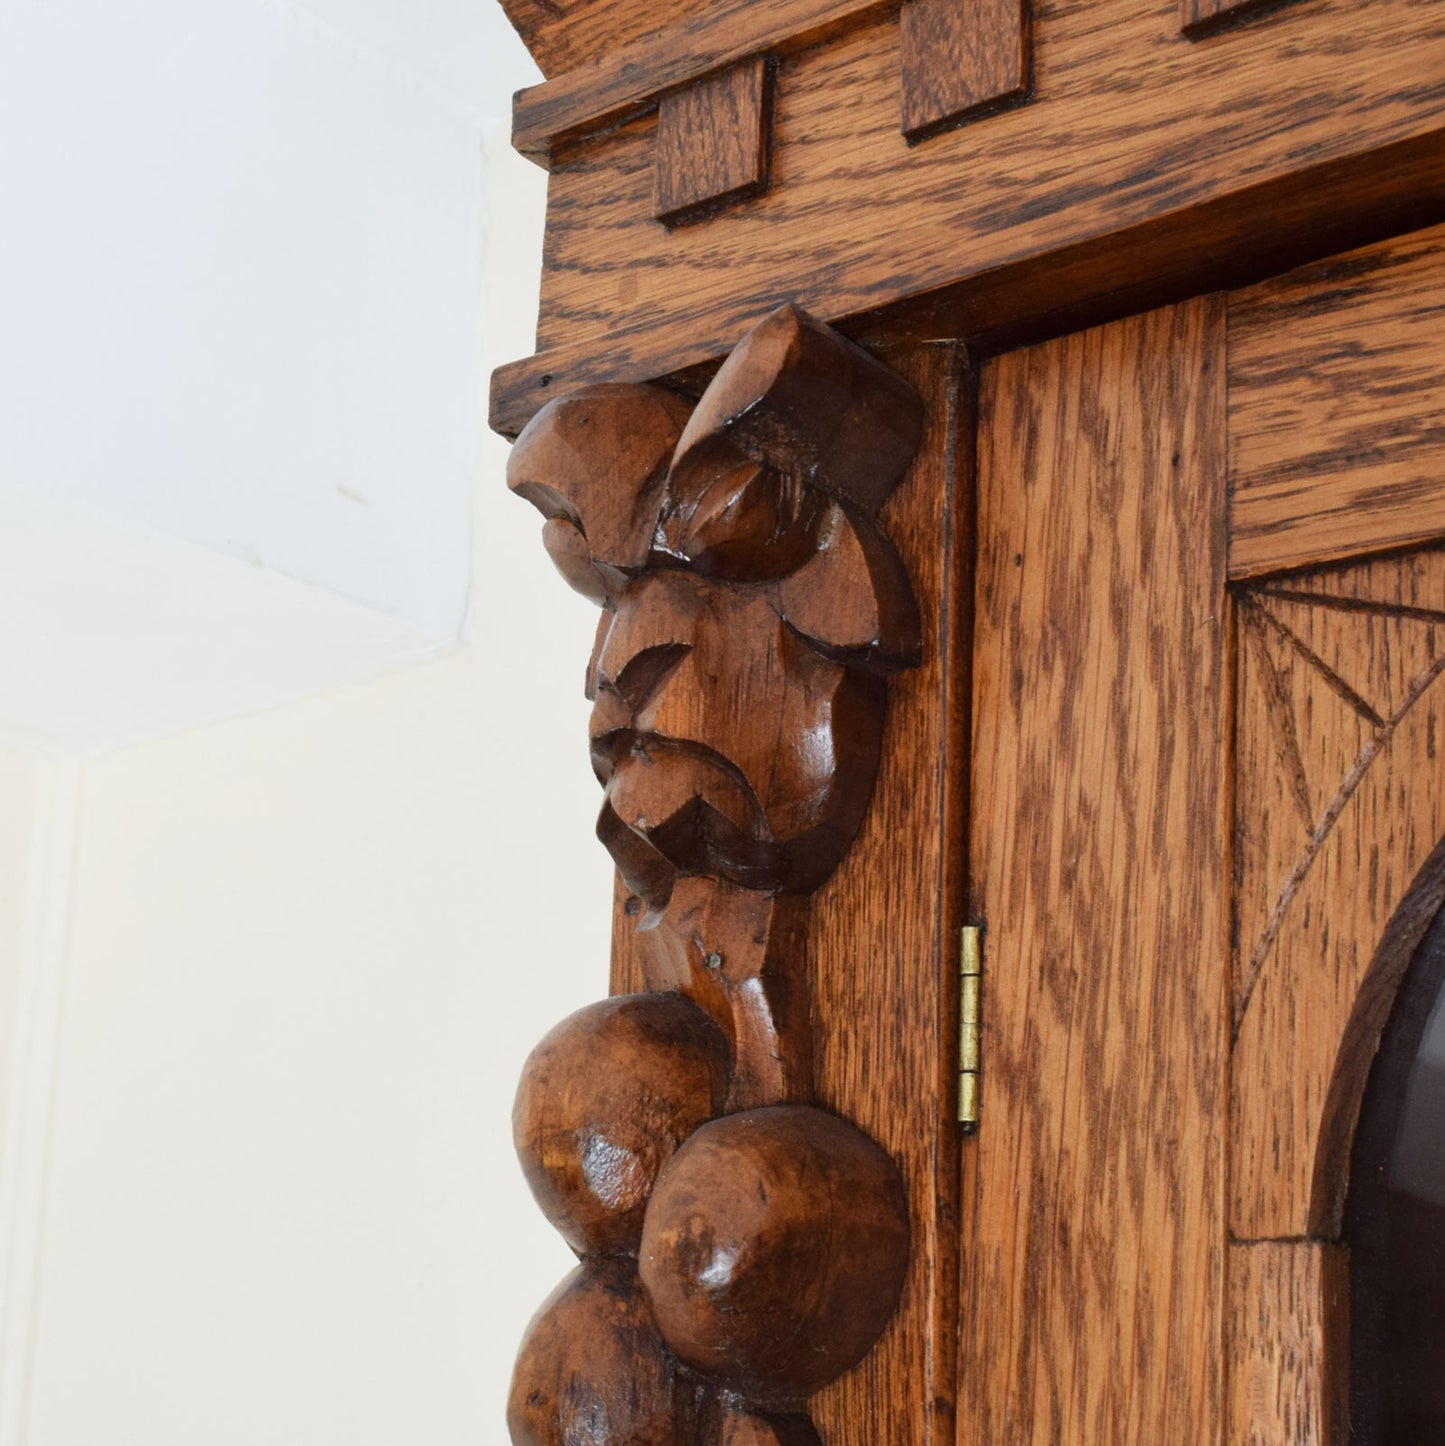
point(752, 609)
point(1330, 666)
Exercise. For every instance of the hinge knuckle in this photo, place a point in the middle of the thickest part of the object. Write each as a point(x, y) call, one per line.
point(970, 1025)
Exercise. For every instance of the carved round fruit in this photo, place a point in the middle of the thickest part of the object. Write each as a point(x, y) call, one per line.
point(605, 1100)
point(592, 1367)
point(774, 1250)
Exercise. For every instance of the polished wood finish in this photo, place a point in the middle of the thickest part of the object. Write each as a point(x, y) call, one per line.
point(1100, 844)
point(1341, 804)
point(753, 608)
point(774, 1251)
point(567, 34)
point(714, 139)
point(592, 1355)
point(692, 787)
point(1336, 400)
point(885, 1031)
point(758, 1428)
point(600, 516)
point(960, 60)
point(635, 74)
point(1145, 163)
point(737, 951)
point(1201, 17)
point(755, 567)
point(1288, 1344)
point(605, 1100)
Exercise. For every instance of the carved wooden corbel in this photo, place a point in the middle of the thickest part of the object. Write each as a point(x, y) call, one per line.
point(740, 1247)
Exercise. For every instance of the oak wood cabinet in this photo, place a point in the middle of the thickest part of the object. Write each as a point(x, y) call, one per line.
point(1004, 439)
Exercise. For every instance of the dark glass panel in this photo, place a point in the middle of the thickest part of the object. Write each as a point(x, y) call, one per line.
point(1395, 1220)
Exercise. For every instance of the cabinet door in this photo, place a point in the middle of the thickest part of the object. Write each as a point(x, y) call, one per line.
point(1093, 1279)
point(1206, 799)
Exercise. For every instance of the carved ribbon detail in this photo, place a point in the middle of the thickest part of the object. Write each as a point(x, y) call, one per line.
point(740, 1248)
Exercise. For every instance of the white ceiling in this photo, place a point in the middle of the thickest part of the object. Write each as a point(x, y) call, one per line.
point(241, 351)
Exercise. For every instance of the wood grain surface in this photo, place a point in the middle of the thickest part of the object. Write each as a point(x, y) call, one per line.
point(883, 936)
point(592, 1354)
point(567, 34)
point(1200, 17)
point(1340, 808)
point(774, 1250)
point(1289, 1368)
point(959, 60)
point(1148, 157)
point(754, 607)
point(1093, 1277)
point(713, 138)
point(883, 942)
point(604, 1101)
point(1337, 408)
point(631, 76)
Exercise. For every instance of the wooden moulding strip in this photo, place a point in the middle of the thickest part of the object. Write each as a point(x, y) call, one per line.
point(1004, 300)
point(630, 81)
point(1336, 387)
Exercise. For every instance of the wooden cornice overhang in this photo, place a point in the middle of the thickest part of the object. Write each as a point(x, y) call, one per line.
point(1068, 162)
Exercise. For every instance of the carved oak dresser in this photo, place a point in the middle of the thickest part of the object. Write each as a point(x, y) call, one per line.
point(1005, 442)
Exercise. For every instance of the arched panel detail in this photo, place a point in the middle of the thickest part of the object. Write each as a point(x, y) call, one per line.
point(1340, 806)
point(1361, 1038)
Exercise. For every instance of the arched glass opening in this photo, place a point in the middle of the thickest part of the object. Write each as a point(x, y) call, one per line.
point(1395, 1219)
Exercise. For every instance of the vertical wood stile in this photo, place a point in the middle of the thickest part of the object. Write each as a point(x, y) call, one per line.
point(1288, 1344)
point(1093, 1277)
point(1201, 17)
point(884, 931)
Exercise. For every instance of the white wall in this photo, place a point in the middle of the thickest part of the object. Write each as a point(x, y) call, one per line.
point(295, 861)
point(241, 248)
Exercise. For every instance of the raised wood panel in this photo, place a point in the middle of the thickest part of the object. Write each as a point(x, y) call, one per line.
point(1094, 1254)
point(713, 140)
point(1288, 1344)
point(1149, 156)
point(961, 59)
point(1337, 408)
point(1340, 805)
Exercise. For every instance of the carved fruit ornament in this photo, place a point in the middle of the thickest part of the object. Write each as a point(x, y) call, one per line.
point(740, 1248)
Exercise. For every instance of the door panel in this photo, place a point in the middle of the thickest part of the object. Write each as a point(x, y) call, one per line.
point(1093, 1281)
point(1205, 843)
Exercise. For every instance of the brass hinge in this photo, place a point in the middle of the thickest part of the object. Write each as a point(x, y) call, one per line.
point(970, 1043)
